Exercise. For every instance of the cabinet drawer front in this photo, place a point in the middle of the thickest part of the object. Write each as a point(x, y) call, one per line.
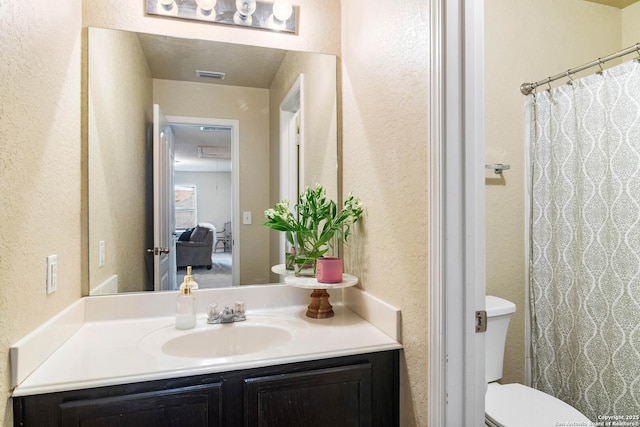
point(336, 397)
point(196, 406)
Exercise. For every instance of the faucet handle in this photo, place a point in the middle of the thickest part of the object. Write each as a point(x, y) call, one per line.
point(238, 310)
point(228, 315)
point(212, 311)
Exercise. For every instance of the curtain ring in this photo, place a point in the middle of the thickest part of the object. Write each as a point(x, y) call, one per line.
point(570, 82)
point(549, 83)
point(600, 65)
point(638, 51)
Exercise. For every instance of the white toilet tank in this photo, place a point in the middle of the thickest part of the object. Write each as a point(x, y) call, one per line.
point(499, 312)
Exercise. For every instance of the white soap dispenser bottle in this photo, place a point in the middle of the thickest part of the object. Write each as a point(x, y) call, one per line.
point(186, 307)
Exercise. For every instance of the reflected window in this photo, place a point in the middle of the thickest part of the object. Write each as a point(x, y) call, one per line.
point(186, 207)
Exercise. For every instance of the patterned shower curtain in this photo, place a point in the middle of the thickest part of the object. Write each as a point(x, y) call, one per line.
point(584, 255)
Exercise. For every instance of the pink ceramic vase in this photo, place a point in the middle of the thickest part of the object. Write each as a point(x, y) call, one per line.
point(329, 270)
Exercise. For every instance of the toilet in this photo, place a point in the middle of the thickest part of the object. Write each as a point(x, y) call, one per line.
point(516, 405)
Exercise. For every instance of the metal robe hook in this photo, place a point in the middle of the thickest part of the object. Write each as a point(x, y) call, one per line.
point(498, 168)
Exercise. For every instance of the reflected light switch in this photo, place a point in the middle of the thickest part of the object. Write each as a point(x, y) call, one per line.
point(246, 217)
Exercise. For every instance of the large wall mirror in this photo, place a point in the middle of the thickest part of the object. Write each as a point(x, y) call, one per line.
point(234, 142)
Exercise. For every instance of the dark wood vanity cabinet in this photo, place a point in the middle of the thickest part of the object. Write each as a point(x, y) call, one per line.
point(182, 406)
point(360, 390)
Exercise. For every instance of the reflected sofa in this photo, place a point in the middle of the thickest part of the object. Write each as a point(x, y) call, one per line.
point(194, 247)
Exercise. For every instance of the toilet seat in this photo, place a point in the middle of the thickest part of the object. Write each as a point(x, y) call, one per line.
point(516, 405)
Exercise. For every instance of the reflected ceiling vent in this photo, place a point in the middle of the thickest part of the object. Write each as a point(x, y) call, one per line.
point(210, 74)
point(209, 152)
point(215, 128)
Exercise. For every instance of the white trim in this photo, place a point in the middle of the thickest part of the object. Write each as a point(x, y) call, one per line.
point(454, 261)
point(235, 181)
point(456, 212)
point(437, 355)
point(475, 245)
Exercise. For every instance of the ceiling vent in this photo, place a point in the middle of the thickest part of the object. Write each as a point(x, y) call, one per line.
point(209, 152)
point(215, 128)
point(210, 74)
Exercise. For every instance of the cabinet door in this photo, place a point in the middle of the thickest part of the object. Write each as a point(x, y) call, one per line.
point(335, 397)
point(197, 406)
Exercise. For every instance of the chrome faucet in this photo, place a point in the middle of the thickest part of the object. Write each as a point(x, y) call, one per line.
point(228, 315)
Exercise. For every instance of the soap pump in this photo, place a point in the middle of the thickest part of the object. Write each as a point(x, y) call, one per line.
point(192, 283)
point(186, 307)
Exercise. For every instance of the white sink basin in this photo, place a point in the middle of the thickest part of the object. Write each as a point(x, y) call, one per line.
point(254, 336)
point(226, 340)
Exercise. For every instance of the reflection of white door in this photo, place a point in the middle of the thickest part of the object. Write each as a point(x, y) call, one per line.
point(164, 242)
point(291, 149)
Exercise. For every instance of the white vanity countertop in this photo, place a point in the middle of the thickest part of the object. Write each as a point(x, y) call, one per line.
point(109, 352)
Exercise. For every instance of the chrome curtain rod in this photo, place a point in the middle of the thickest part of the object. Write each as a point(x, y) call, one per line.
point(527, 88)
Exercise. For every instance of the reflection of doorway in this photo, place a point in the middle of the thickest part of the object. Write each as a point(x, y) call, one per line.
point(291, 148)
point(163, 251)
point(207, 159)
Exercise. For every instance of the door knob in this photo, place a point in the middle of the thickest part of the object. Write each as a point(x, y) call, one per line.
point(158, 251)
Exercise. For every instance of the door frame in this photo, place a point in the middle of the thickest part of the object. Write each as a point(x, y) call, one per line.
point(456, 213)
point(291, 147)
point(235, 181)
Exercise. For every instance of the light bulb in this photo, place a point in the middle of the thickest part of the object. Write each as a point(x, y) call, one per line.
point(206, 5)
point(246, 7)
point(282, 9)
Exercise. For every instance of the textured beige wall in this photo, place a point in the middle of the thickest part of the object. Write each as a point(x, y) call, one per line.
point(320, 127)
point(251, 107)
point(40, 168)
point(120, 99)
point(526, 40)
point(385, 96)
point(630, 25)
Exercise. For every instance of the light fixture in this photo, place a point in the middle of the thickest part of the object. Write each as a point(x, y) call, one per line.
point(167, 7)
point(282, 10)
point(244, 12)
point(206, 5)
point(206, 9)
point(280, 15)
